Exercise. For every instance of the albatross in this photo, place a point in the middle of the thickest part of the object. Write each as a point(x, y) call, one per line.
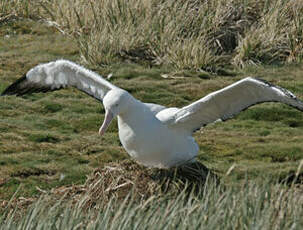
point(152, 134)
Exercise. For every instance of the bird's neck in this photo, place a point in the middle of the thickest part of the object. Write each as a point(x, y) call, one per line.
point(136, 114)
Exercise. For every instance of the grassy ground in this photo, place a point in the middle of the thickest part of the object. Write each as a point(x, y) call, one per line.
point(49, 140)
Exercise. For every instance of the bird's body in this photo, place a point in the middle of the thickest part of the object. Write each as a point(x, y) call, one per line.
point(147, 139)
point(152, 134)
point(151, 142)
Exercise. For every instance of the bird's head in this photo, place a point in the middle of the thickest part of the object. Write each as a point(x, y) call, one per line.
point(115, 102)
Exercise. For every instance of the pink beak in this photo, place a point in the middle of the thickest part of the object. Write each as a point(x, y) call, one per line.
point(108, 118)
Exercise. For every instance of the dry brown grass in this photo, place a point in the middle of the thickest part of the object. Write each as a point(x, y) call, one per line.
point(196, 35)
point(277, 37)
point(18, 9)
point(184, 34)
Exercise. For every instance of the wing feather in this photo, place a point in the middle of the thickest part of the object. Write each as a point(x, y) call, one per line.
point(229, 101)
point(57, 75)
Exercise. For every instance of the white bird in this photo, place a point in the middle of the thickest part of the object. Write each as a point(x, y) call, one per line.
point(152, 134)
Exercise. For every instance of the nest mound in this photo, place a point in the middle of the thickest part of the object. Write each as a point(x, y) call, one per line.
point(118, 179)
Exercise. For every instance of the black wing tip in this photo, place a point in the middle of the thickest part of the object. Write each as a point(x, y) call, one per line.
point(263, 81)
point(298, 103)
point(285, 91)
point(14, 88)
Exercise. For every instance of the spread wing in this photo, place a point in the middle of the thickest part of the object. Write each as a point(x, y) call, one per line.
point(229, 101)
point(57, 75)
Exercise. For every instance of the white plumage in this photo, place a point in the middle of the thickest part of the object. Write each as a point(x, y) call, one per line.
point(152, 134)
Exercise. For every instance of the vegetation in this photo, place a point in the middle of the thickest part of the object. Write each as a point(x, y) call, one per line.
point(189, 34)
point(14, 9)
point(199, 35)
point(166, 52)
point(212, 206)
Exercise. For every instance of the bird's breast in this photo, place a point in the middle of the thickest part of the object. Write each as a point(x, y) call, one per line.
point(141, 138)
point(128, 136)
point(154, 144)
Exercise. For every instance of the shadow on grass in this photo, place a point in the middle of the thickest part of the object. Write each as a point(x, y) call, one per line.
point(293, 178)
point(191, 177)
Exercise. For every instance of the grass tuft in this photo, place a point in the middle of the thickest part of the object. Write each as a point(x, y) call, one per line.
point(17, 9)
point(194, 35)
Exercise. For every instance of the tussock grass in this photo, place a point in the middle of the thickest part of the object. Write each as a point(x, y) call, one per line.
point(277, 37)
point(109, 201)
point(197, 35)
point(148, 31)
point(17, 9)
